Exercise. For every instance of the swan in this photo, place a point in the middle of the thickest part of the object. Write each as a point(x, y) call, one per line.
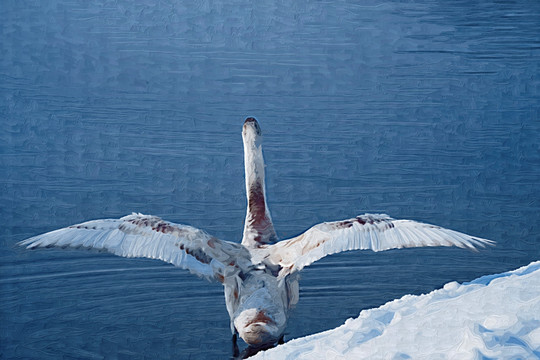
point(260, 274)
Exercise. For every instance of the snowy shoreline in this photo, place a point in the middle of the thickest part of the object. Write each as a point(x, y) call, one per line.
point(495, 316)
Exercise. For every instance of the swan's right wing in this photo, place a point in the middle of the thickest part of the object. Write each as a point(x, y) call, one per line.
point(376, 232)
point(149, 236)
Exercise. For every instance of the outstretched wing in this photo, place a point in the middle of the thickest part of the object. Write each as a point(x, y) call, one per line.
point(375, 232)
point(149, 236)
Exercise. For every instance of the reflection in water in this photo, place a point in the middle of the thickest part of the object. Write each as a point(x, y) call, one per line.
point(426, 111)
point(250, 350)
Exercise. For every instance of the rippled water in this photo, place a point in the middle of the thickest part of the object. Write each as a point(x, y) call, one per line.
point(424, 110)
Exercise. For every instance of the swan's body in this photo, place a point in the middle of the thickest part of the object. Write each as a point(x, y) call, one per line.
point(259, 275)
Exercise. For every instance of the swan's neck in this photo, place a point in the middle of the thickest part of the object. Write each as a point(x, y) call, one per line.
point(258, 228)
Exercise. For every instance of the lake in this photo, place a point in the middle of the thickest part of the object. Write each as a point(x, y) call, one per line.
point(422, 110)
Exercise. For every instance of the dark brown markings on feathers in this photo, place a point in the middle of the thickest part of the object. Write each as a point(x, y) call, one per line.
point(83, 227)
point(388, 225)
point(256, 202)
point(344, 224)
point(144, 221)
point(258, 221)
point(363, 220)
point(197, 254)
point(155, 223)
point(164, 227)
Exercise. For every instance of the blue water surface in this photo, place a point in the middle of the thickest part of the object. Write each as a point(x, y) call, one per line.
point(424, 110)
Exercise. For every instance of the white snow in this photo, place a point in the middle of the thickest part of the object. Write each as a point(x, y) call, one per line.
point(493, 317)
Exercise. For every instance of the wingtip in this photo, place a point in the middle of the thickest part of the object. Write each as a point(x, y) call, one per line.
point(485, 242)
point(479, 243)
point(28, 244)
point(25, 242)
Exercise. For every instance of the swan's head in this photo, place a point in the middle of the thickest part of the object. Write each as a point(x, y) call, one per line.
point(251, 131)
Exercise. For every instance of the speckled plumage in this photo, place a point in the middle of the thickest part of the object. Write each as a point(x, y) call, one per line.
point(260, 274)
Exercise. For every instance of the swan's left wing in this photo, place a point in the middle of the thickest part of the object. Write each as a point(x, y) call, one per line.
point(375, 232)
point(149, 236)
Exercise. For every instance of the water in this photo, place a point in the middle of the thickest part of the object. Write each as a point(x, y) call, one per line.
point(425, 110)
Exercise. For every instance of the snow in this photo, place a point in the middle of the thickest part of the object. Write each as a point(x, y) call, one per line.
point(493, 317)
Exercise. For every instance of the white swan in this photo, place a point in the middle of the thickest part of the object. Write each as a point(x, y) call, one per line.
point(259, 275)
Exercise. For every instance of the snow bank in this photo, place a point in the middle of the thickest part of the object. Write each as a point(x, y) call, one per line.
point(495, 316)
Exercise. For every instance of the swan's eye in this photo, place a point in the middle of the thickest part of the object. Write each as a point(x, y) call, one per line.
point(257, 128)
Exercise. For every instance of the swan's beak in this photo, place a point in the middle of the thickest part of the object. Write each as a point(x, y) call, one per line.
point(251, 125)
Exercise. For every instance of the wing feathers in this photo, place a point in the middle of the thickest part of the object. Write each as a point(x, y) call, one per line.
point(375, 232)
point(148, 236)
